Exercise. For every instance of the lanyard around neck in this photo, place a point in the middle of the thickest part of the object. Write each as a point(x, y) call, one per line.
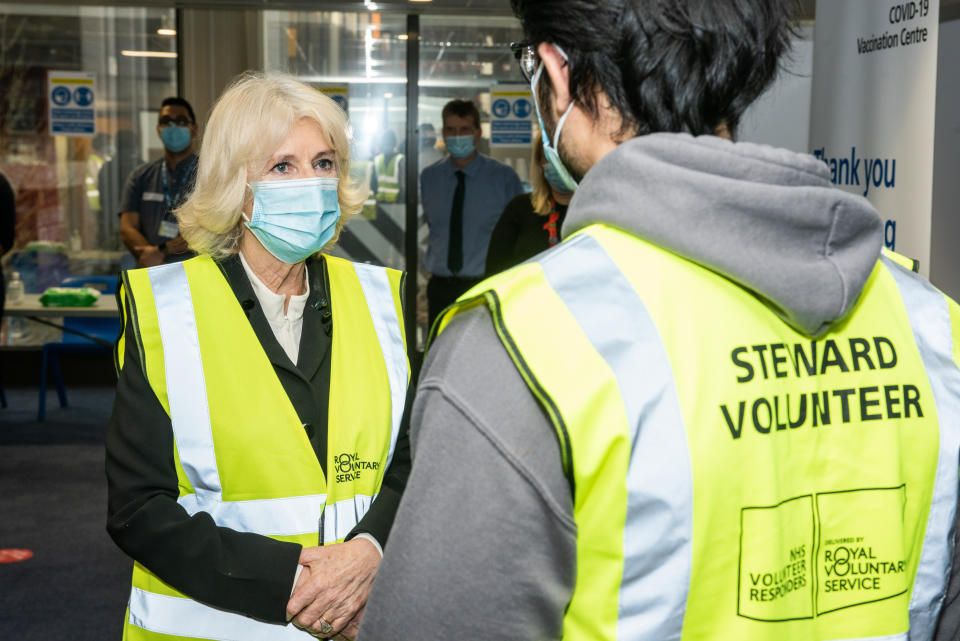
point(174, 200)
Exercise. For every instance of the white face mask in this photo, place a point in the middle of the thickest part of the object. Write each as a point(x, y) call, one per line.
point(551, 151)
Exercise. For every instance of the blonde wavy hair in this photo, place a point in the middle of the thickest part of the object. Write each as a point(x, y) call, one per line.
point(541, 197)
point(248, 123)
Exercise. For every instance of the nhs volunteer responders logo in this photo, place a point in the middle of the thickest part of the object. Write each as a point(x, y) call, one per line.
point(828, 559)
point(350, 467)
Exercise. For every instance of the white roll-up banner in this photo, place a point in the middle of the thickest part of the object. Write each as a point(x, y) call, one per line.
point(873, 106)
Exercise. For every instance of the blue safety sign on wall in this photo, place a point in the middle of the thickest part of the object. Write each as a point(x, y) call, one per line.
point(72, 103)
point(83, 96)
point(60, 96)
point(511, 111)
point(522, 108)
point(501, 108)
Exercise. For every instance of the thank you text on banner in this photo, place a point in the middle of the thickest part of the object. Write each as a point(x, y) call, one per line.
point(872, 111)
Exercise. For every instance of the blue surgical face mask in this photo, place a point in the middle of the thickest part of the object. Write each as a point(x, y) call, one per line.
point(294, 219)
point(175, 138)
point(550, 151)
point(554, 179)
point(460, 146)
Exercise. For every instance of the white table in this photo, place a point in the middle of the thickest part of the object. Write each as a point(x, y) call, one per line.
point(30, 307)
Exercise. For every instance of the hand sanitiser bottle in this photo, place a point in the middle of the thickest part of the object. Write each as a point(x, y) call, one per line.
point(15, 289)
point(14, 296)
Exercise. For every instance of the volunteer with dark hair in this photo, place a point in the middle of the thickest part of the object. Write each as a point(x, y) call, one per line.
point(531, 222)
point(715, 410)
point(463, 197)
point(155, 189)
point(255, 455)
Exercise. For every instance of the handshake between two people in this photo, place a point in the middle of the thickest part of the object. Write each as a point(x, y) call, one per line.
point(331, 592)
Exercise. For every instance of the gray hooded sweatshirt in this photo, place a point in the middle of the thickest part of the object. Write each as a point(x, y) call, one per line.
point(483, 545)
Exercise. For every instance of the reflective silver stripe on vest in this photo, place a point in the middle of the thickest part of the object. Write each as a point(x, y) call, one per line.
point(186, 388)
point(383, 311)
point(190, 417)
point(187, 618)
point(389, 173)
point(341, 517)
point(269, 517)
point(657, 537)
point(894, 637)
point(930, 320)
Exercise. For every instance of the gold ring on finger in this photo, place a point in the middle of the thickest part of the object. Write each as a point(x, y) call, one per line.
point(325, 627)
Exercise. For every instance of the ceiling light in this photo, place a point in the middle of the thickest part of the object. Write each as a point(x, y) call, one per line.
point(148, 54)
point(166, 31)
point(402, 36)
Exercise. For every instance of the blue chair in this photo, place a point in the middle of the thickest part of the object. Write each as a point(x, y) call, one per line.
point(106, 329)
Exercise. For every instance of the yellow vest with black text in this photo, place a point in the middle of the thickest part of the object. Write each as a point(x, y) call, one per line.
point(732, 477)
point(388, 178)
point(241, 453)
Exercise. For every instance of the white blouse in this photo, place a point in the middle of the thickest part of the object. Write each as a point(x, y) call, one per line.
point(287, 327)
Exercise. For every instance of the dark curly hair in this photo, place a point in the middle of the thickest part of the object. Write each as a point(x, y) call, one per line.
point(666, 65)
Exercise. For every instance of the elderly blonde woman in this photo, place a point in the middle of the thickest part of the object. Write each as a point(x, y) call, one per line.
point(255, 455)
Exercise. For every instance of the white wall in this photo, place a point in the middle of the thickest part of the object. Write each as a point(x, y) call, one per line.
point(945, 244)
point(781, 116)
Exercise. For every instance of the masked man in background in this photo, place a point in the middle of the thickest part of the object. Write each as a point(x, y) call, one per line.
point(154, 190)
point(463, 197)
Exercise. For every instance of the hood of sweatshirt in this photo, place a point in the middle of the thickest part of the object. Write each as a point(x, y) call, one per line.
point(768, 219)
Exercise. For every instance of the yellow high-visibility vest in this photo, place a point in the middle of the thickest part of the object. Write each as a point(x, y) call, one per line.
point(361, 174)
point(388, 178)
point(206, 366)
point(732, 477)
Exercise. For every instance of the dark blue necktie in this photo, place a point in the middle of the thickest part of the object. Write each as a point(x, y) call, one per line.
point(455, 249)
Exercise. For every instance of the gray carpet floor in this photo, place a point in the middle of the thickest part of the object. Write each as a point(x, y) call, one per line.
point(53, 499)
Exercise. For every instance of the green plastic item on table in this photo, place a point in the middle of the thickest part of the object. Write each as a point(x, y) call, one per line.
point(46, 246)
point(69, 297)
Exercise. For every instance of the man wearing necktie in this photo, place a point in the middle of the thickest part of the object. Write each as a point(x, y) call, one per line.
point(463, 196)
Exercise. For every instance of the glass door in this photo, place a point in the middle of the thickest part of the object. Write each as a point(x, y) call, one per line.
point(468, 58)
point(358, 59)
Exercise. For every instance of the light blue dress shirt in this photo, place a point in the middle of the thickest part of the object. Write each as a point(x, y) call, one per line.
point(489, 186)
